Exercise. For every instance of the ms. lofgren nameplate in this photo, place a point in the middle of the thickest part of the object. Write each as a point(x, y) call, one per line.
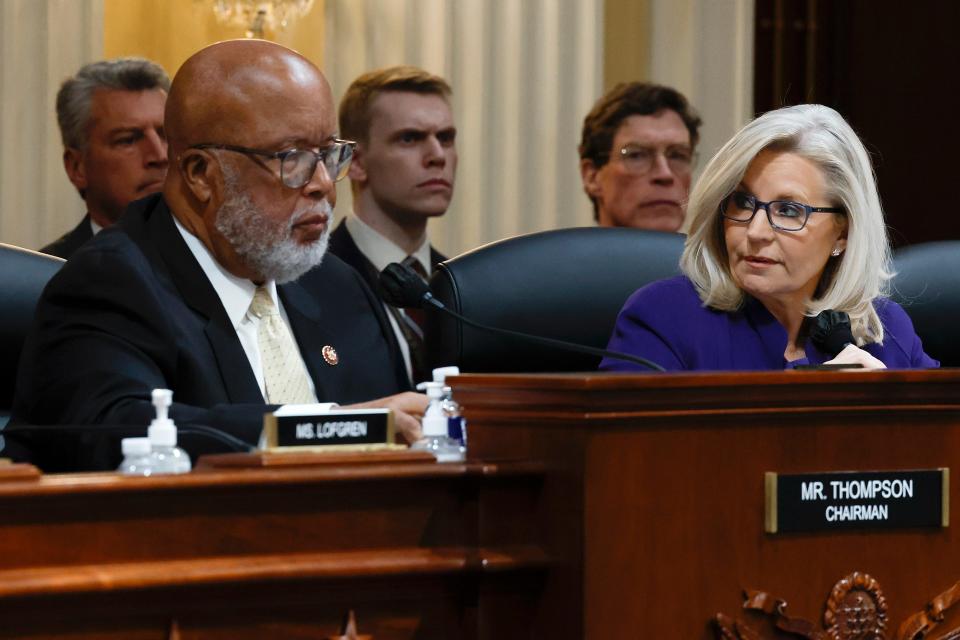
point(356, 429)
point(844, 500)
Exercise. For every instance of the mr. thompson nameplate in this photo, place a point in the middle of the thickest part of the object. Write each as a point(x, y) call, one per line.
point(846, 500)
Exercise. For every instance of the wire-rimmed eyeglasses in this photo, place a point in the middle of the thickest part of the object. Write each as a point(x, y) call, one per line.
point(639, 159)
point(297, 166)
point(785, 215)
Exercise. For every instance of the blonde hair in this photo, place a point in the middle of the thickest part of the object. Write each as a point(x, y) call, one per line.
point(851, 281)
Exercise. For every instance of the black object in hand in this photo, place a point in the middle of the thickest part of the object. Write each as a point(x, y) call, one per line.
point(831, 332)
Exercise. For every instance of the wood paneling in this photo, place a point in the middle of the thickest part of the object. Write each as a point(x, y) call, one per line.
point(418, 550)
point(656, 483)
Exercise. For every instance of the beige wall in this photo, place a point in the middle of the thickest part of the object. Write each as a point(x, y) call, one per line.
point(524, 73)
point(626, 41)
point(169, 32)
point(41, 43)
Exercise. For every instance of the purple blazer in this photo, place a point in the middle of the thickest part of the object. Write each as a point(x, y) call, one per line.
point(666, 322)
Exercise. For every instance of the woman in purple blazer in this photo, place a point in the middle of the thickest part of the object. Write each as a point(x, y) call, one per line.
point(785, 222)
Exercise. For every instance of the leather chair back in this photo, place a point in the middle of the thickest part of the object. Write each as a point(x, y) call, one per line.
point(927, 285)
point(25, 274)
point(567, 284)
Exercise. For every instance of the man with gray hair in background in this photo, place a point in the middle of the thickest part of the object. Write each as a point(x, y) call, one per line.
point(114, 147)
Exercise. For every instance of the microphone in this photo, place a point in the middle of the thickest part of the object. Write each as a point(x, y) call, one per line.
point(831, 332)
point(402, 287)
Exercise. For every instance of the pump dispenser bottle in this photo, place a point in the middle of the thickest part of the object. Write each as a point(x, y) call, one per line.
point(166, 455)
point(137, 460)
point(435, 438)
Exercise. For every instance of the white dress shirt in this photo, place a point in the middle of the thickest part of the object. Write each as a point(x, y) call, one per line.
point(236, 294)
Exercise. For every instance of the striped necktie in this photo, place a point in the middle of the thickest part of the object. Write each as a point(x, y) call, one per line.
point(284, 376)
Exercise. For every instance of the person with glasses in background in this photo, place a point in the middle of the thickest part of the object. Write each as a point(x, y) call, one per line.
point(637, 153)
point(785, 223)
point(215, 288)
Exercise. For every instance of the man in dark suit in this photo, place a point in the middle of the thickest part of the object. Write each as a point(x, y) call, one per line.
point(199, 289)
point(114, 148)
point(402, 175)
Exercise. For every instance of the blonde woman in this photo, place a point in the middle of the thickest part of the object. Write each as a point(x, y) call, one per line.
point(786, 222)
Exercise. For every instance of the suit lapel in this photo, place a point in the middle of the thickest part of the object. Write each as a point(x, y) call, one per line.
point(197, 292)
point(345, 247)
point(311, 334)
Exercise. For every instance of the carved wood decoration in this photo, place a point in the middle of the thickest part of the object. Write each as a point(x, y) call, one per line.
point(856, 609)
point(920, 625)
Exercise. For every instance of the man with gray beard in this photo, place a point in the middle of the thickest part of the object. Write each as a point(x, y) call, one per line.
point(219, 288)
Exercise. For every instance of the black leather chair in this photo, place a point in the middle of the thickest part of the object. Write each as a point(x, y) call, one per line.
point(567, 284)
point(927, 285)
point(25, 274)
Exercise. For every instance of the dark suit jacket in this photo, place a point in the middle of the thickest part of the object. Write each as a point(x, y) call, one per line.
point(65, 245)
point(344, 247)
point(133, 311)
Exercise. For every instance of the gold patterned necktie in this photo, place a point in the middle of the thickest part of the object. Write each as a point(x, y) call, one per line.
point(284, 376)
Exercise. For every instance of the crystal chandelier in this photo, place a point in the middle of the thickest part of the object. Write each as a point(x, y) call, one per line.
point(259, 15)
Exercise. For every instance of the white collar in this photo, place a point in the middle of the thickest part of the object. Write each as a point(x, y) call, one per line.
point(235, 293)
point(379, 249)
point(94, 227)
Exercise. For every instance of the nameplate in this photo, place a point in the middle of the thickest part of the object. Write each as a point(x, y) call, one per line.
point(331, 430)
point(857, 500)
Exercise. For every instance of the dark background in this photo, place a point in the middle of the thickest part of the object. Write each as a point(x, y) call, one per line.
point(889, 67)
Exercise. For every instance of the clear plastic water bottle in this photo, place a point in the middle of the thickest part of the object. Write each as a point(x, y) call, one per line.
point(166, 455)
point(435, 438)
point(137, 458)
point(456, 424)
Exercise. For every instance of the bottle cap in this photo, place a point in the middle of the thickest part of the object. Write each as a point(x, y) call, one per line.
point(440, 373)
point(135, 446)
point(432, 389)
point(162, 431)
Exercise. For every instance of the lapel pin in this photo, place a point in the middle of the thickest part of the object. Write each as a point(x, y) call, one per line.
point(330, 355)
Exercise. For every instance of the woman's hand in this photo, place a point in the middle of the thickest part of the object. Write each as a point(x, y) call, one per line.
point(853, 354)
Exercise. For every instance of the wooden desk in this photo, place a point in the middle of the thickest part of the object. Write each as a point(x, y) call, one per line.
point(418, 550)
point(655, 490)
point(591, 506)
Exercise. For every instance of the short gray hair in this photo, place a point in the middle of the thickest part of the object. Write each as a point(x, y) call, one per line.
point(851, 281)
point(76, 93)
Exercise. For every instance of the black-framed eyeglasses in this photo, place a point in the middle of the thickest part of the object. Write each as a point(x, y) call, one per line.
point(297, 166)
point(786, 215)
point(640, 159)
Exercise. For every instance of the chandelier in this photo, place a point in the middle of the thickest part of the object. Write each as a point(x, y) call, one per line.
point(259, 15)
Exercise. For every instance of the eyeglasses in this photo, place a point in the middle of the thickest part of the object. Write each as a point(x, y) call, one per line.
point(297, 166)
point(786, 215)
point(639, 159)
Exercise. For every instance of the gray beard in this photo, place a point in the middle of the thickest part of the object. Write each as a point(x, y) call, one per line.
point(266, 247)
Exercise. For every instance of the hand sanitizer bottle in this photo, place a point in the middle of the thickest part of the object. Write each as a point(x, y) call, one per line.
point(137, 460)
point(435, 438)
point(167, 456)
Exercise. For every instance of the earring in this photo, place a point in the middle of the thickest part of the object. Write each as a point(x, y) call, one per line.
point(835, 252)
